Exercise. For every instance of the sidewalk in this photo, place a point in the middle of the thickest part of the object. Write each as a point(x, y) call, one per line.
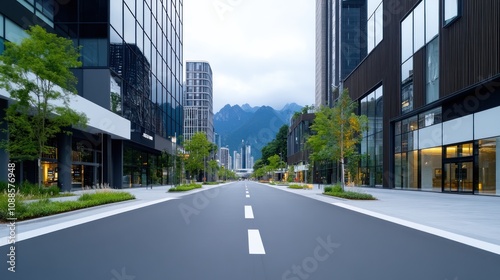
point(472, 216)
point(143, 197)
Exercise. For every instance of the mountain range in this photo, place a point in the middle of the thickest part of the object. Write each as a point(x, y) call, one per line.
point(255, 126)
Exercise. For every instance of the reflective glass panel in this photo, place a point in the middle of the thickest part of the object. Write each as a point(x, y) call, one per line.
point(431, 169)
point(379, 25)
point(418, 27)
point(432, 71)
point(431, 19)
point(489, 167)
point(407, 37)
point(450, 10)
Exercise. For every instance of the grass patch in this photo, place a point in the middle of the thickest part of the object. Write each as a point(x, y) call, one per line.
point(337, 191)
point(45, 207)
point(183, 188)
point(295, 186)
point(28, 190)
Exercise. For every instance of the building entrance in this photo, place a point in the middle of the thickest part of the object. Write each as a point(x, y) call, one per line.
point(458, 177)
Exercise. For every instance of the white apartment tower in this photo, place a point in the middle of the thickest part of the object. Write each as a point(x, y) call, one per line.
point(198, 100)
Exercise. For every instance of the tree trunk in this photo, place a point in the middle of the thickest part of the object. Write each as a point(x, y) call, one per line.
point(39, 172)
point(342, 170)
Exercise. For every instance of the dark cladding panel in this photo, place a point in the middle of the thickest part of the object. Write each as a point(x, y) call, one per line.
point(473, 38)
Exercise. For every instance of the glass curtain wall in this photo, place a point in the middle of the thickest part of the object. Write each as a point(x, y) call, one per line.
point(415, 166)
point(420, 28)
point(371, 163)
point(146, 60)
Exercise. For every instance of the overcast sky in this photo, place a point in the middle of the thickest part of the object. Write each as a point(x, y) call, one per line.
point(261, 51)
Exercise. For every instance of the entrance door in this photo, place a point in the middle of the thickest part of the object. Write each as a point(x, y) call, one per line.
point(458, 177)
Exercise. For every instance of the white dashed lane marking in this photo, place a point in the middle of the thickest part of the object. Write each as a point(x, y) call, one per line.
point(255, 245)
point(248, 212)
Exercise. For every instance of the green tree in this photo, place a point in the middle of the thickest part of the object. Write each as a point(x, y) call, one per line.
point(213, 167)
point(338, 131)
point(198, 149)
point(278, 146)
point(291, 173)
point(36, 73)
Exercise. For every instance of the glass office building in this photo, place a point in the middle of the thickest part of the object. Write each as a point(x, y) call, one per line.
point(130, 82)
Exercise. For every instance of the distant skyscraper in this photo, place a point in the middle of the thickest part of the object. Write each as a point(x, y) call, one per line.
point(237, 160)
point(248, 157)
point(243, 155)
point(198, 100)
point(224, 157)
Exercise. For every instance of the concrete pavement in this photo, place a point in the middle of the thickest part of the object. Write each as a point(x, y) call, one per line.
point(144, 197)
point(473, 216)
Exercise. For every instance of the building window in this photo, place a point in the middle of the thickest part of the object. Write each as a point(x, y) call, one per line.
point(431, 19)
point(430, 117)
point(489, 167)
point(431, 174)
point(371, 149)
point(420, 27)
point(432, 75)
point(375, 26)
point(407, 86)
point(452, 11)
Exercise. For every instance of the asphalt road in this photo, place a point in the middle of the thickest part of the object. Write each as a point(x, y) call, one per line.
point(212, 235)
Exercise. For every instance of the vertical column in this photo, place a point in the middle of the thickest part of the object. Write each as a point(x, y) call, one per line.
point(4, 156)
point(64, 161)
point(497, 185)
point(107, 163)
point(117, 163)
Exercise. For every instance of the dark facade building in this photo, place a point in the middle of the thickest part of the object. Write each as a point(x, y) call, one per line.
point(298, 154)
point(129, 86)
point(430, 88)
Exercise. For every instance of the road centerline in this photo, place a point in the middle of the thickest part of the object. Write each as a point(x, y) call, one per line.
point(255, 245)
point(248, 212)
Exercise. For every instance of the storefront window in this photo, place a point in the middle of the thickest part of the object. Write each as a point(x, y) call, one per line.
point(49, 173)
point(461, 150)
point(431, 169)
point(76, 176)
point(410, 170)
point(489, 168)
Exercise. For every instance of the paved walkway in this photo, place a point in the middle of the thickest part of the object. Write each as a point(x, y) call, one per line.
point(143, 197)
point(473, 216)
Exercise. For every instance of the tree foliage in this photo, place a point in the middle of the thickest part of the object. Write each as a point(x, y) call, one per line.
point(337, 132)
point(36, 73)
point(198, 149)
point(278, 146)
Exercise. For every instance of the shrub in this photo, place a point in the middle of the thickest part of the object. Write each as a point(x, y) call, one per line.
point(337, 188)
point(328, 189)
point(33, 190)
point(352, 195)
point(183, 188)
point(294, 186)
